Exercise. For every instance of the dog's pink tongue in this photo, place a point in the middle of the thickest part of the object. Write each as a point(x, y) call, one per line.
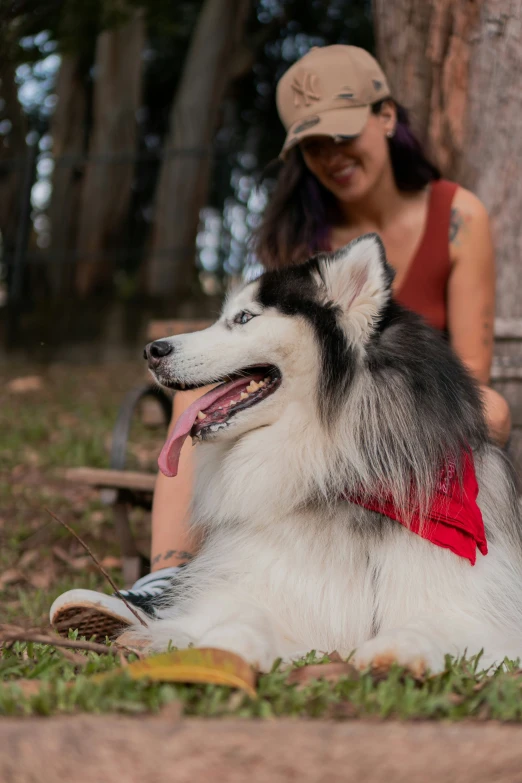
point(169, 458)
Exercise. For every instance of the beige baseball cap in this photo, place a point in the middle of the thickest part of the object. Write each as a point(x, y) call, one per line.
point(329, 92)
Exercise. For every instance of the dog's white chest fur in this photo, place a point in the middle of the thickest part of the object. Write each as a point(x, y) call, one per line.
point(316, 580)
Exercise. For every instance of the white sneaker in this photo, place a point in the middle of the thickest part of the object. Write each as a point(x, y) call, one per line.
point(100, 615)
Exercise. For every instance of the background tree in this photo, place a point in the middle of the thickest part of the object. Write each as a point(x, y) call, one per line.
point(183, 180)
point(109, 172)
point(455, 64)
point(106, 223)
point(13, 127)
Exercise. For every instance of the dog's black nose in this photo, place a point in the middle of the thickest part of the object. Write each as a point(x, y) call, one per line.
point(156, 351)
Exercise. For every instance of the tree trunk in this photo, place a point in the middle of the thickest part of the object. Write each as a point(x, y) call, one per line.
point(183, 181)
point(424, 47)
point(13, 152)
point(456, 64)
point(109, 172)
point(68, 130)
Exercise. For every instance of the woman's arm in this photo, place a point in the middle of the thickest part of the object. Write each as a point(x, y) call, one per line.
point(471, 302)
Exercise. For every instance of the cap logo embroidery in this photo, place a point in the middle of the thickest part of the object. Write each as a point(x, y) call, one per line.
point(305, 89)
point(309, 123)
point(377, 84)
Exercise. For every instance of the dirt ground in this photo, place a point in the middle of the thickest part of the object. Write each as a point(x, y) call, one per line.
point(134, 750)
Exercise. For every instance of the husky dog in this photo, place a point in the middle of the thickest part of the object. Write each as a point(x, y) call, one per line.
point(331, 392)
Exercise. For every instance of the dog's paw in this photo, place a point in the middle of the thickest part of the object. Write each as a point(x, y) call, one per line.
point(404, 648)
point(256, 649)
point(159, 636)
point(133, 641)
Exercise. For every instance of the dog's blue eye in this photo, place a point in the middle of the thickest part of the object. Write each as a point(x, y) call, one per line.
point(243, 317)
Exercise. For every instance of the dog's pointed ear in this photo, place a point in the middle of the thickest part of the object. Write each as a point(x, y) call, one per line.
point(357, 279)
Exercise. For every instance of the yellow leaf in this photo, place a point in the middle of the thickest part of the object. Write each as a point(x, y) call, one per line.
point(204, 664)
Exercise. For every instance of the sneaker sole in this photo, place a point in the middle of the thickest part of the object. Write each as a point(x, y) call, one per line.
point(89, 621)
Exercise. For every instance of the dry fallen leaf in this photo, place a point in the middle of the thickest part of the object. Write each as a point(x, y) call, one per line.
point(42, 580)
point(68, 420)
point(203, 665)
point(28, 383)
point(81, 563)
point(455, 699)
point(10, 576)
point(322, 671)
point(28, 558)
point(78, 563)
point(111, 562)
point(28, 687)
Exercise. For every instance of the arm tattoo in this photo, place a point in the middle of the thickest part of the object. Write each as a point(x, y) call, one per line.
point(178, 553)
point(458, 226)
point(455, 224)
point(183, 556)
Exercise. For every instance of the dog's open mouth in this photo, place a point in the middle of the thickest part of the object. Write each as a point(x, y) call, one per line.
point(215, 409)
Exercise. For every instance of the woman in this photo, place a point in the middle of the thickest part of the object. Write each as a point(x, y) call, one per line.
point(351, 165)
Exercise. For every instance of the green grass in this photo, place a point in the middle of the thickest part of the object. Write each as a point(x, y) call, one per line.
point(461, 691)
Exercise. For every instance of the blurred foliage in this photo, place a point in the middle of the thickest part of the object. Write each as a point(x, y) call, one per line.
point(279, 31)
point(74, 24)
point(249, 135)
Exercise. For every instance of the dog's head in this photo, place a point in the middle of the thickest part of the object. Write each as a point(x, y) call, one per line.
point(367, 392)
point(290, 337)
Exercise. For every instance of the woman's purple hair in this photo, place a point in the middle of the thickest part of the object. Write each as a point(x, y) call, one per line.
point(297, 219)
point(411, 168)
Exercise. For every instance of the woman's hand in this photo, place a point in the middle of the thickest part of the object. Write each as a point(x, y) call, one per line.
point(498, 415)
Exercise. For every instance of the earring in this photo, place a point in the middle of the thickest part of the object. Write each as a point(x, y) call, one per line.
point(390, 134)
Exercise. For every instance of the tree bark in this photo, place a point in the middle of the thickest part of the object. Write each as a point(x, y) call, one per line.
point(13, 152)
point(68, 130)
point(109, 172)
point(456, 64)
point(184, 176)
point(425, 47)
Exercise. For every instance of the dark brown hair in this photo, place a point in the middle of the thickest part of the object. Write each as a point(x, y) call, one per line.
point(297, 218)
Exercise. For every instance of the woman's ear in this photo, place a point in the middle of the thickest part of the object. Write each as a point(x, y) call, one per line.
point(388, 117)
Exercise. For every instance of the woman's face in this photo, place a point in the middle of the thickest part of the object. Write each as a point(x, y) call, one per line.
point(350, 169)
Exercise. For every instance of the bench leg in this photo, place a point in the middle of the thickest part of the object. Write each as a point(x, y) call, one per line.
point(134, 564)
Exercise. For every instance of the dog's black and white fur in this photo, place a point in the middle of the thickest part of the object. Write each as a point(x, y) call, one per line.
point(369, 397)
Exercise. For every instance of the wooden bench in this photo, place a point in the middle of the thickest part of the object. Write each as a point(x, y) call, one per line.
point(121, 488)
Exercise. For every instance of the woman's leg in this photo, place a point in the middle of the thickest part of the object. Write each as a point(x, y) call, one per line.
point(172, 543)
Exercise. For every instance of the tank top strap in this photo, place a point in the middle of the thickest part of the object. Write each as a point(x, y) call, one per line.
point(424, 289)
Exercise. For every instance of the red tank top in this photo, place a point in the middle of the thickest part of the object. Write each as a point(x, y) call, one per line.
point(424, 289)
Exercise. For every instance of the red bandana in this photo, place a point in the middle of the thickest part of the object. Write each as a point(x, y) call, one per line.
point(454, 520)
